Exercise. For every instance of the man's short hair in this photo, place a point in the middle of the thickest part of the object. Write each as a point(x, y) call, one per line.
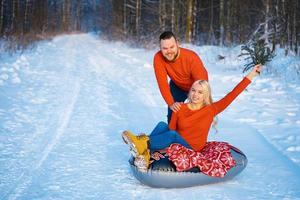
point(167, 35)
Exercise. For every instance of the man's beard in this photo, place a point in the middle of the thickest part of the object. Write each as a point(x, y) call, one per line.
point(174, 58)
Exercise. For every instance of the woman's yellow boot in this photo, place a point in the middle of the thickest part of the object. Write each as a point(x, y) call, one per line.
point(138, 144)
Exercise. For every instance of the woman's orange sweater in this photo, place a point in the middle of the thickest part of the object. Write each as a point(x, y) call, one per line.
point(186, 69)
point(194, 125)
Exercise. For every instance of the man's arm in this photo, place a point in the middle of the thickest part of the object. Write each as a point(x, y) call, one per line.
point(162, 81)
point(199, 72)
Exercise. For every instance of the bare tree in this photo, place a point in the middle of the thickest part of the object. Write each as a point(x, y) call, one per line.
point(125, 18)
point(288, 26)
point(274, 24)
point(173, 16)
point(212, 37)
point(66, 15)
point(78, 15)
point(189, 21)
point(221, 43)
point(162, 14)
point(14, 13)
point(294, 46)
point(138, 7)
point(195, 7)
point(228, 23)
point(267, 16)
point(1, 16)
point(27, 16)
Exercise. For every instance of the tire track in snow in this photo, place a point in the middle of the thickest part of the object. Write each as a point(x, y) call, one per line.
point(65, 121)
point(24, 181)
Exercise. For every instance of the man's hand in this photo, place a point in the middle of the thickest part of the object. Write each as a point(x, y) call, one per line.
point(176, 106)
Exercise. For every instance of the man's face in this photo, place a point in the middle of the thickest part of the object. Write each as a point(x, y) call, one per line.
point(169, 48)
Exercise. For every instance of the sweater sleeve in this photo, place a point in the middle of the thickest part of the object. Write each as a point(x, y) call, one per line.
point(198, 70)
point(162, 80)
point(220, 105)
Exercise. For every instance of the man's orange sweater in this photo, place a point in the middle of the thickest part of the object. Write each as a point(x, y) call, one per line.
point(194, 125)
point(186, 69)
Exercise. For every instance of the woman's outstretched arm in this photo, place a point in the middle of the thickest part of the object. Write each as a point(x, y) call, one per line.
point(220, 105)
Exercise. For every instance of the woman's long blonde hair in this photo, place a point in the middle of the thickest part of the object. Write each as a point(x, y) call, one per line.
point(207, 98)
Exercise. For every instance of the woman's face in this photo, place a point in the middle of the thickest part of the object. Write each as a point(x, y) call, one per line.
point(169, 48)
point(196, 94)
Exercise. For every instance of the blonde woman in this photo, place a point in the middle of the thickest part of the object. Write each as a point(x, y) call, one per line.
point(189, 126)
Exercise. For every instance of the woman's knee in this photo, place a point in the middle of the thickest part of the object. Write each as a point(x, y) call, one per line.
point(162, 124)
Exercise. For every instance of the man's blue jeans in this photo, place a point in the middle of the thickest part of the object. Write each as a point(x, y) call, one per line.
point(178, 94)
point(162, 137)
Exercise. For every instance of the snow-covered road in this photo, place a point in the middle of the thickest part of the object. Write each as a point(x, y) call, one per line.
point(63, 107)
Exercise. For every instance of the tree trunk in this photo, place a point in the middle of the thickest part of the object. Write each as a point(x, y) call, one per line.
point(1, 17)
point(221, 43)
point(283, 32)
point(162, 15)
point(26, 26)
point(189, 21)
point(125, 18)
point(138, 17)
point(95, 16)
point(13, 18)
point(275, 25)
point(297, 28)
point(294, 35)
point(173, 16)
point(212, 37)
point(78, 16)
point(195, 6)
point(46, 22)
point(288, 30)
point(267, 16)
point(228, 37)
point(66, 15)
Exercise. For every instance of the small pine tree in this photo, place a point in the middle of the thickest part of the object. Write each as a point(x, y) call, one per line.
point(256, 52)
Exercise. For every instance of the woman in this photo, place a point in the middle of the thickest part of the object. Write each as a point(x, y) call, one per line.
point(189, 126)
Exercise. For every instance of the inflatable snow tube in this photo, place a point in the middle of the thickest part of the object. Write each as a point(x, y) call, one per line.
point(163, 174)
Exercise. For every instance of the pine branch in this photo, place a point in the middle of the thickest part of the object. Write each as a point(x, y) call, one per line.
point(255, 53)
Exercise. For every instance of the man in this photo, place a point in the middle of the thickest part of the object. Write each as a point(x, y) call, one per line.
point(181, 65)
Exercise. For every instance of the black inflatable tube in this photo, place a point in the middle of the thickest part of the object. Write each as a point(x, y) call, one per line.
point(169, 179)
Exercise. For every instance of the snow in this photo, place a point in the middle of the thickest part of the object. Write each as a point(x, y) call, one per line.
point(65, 103)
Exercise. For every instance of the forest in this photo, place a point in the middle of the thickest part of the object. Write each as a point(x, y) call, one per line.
point(139, 22)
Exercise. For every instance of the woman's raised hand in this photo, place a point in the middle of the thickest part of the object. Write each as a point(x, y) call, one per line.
point(255, 71)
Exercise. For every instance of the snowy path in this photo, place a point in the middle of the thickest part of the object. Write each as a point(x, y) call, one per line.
point(63, 107)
